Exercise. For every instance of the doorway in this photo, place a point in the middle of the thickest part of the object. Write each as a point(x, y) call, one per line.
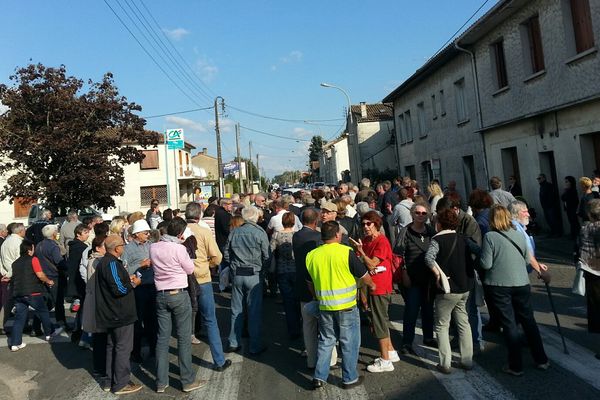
point(548, 168)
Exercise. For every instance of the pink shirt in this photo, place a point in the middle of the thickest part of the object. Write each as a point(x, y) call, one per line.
point(171, 264)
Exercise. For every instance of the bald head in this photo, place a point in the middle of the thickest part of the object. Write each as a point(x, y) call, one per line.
point(310, 217)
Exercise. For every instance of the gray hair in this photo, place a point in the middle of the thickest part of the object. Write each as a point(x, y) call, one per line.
point(224, 201)
point(49, 231)
point(47, 214)
point(250, 214)
point(235, 198)
point(516, 207)
point(72, 216)
point(362, 207)
point(593, 209)
point(17, 227)
point(193, 211)
point(365, 183)
point(3, 228)
point(287, 200)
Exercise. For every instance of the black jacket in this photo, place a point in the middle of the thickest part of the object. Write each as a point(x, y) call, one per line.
point(222, 219)
point(115, 301)
point(76, 286)
point(303, 242)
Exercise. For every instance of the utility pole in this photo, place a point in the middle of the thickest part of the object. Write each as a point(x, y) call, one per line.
point(258, 171)
point(218, 133)
point(250, 167)
point(239, 159)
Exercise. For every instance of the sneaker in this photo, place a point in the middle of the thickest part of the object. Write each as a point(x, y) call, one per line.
point(161, 388)
point(543, 366)
point(393, 356)
point(129, 388)
point(506, 369)
point(195, 340)
point(57, 331)
point(197, 384)
point(381, 365)
point(19, 347)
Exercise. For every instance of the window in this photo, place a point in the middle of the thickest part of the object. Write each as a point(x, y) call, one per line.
point(442, 103)
point(401, 129)
point(499, 64)
point(150, 160)
point(534, 42)
point(147, 193)
point(461, 106)
point(582, 25)
point(22, 206)
point(433, 106)
point(408, 126)
point(421, 120)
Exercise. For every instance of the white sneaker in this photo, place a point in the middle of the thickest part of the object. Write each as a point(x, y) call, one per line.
point(380, 365)
point(19, 347)
point(393, 356)
point(195, 340)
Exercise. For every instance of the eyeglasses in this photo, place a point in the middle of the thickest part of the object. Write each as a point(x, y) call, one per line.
point(366, 223)
point(420, 212)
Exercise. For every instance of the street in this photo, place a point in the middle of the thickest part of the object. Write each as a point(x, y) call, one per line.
point(61, 370)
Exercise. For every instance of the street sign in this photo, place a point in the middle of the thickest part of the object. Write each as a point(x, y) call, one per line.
point(175, 139)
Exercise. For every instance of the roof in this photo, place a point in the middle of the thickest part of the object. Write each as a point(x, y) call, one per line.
point(375, 112)
point(203, 155)
point(328, 145)
point(487, 22)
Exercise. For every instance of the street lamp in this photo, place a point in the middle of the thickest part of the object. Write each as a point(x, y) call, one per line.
point(328, 85)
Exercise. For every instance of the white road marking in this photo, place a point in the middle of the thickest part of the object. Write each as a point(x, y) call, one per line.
point(579, 361)
point(221, 385)
point(474, 384)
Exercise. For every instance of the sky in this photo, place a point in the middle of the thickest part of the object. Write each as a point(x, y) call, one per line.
point(263, 57)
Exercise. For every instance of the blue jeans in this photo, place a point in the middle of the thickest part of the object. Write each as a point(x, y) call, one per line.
point(347, 323)
point(286, 282)
point(206, 308)
point(251, 288)
point(22, 304)
point(474, 318)
point(415, 298)
point(179, 307)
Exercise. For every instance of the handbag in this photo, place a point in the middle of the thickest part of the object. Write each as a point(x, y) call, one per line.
point(579, 281)
point(445, 283)
point(397, 260)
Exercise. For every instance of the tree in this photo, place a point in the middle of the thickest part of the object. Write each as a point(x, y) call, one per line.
point(316, 148)
point(65, 143)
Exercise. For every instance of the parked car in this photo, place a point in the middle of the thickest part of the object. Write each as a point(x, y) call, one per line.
point(36, 210)
point(319, 185)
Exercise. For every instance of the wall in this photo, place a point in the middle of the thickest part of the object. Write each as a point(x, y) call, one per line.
point(376, 152)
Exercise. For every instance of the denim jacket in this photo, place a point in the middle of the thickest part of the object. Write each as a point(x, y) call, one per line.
point(247, 246)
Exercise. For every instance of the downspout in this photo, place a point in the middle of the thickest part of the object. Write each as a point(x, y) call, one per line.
point(478, 104)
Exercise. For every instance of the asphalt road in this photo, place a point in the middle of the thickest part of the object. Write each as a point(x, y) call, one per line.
point(61, 370)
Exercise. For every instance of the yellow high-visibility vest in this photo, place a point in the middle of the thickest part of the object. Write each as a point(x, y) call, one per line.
point(335, 286)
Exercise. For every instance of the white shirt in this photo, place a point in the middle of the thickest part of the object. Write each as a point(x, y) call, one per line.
point(9, 252)
point(276, 225)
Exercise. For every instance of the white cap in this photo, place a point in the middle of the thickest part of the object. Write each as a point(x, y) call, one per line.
point(140, 226)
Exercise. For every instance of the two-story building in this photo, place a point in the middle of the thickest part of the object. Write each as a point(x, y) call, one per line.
point(334, 159)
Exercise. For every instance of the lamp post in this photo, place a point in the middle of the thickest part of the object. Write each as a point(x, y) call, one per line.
point(355, 153)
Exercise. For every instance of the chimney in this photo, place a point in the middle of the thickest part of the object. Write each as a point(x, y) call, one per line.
point(203, 152)
point(363, 110)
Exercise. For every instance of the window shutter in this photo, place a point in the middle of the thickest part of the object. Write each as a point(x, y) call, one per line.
point(582, 25)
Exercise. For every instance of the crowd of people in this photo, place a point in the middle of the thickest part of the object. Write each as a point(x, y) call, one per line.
point(332, 257)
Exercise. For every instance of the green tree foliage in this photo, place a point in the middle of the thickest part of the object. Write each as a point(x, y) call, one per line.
point(288, 177)
point(65, 143)
point(315, 148)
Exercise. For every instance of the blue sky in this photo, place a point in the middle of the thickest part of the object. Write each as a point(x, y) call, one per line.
point(267, 57)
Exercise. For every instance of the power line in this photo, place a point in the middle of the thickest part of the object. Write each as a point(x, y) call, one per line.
point(273, 135)
point(207, 89)
point(281, 119)
point(148, 53)
point(179, 112)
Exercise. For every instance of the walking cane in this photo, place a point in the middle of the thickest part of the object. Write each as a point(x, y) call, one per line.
point(556, 318)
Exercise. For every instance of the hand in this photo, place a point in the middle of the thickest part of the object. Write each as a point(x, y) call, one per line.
point(545, 276)
point(135, 281)
point(388, 207)
point(438, 281)
point(145, 263)
point(372, 286)
point(50, 283)
point(543, 267)
point(5, 279)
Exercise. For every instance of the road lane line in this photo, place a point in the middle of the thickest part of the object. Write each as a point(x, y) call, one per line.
point(579, 361)
point(474, 384)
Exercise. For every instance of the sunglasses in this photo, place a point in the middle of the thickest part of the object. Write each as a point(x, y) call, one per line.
point(420, 212)
point(367, 223)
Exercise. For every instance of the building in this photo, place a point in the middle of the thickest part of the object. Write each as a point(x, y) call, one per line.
point(537, 67)
point(436, 124)
point(208, 165)
point(334, 160)
point(372, 128)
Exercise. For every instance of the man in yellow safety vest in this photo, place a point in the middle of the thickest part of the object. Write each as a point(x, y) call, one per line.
point(333, 270)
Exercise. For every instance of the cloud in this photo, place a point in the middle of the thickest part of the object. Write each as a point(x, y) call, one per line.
point(3, 108)
point(207, 69)
point(185, 123)
point(294, 56)
point(176, 34)
point(303, 133)
point(225, 125)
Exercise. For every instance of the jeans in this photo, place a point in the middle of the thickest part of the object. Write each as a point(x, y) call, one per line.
point(347, 323)
point(145, 304)
point(474, 318)
point(251, 288)
point(310, 329)
point(206, 308)
point(416, 298)
point(514, 306)
point(453, 306)
point(286, 282)
point(22, 304)
point(178, 307)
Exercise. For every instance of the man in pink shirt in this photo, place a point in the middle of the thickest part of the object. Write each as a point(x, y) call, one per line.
point(172, 265)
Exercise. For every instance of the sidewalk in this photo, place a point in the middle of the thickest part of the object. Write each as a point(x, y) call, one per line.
point(554, 250)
